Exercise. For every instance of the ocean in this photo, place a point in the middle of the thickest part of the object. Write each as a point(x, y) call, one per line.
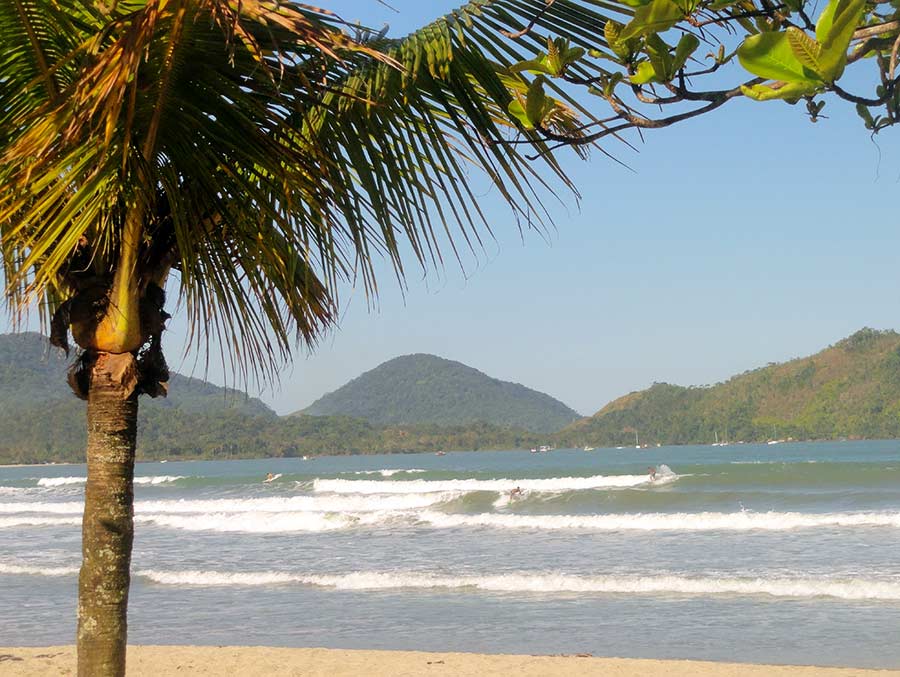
point(786, 553)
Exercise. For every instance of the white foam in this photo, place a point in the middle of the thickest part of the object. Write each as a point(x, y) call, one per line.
point(60, 508)
point(336, 503)
point(30, 521)
point(389, 472)
point(552, 484)
point(331, 512)
point(15, 569)
point(267, 523)
point(547, 583)
point(62, 481)
point(703, 521)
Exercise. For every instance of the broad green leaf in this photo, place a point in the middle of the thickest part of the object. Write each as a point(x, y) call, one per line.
point(791, 92)
point(533, 66)
point(644, 73)
point(834, 31)
point(769, 56)
point(659, 15)
point(612, 31)
point(805, 48)
point(863, 111)
point(686, 46)
point(536, 101)
point(517, 110)
point(658, 53)
point(572, 55)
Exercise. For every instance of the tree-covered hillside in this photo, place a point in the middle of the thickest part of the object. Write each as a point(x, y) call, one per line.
point(425, 389)
point(851, 389)
point(41, 420)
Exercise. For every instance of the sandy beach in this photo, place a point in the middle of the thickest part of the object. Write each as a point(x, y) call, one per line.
point(162, 661)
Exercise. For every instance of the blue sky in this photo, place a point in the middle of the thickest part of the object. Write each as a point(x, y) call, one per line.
point(736, 239)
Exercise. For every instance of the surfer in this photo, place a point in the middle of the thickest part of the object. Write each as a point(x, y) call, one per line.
point(516, 493)
point(269, 477)
point(652, 472)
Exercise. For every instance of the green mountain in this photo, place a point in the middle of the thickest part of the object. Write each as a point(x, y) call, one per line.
point(425, 389)
point(40, 420)
point(850, 389)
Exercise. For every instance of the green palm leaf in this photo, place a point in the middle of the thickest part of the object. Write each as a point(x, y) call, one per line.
point(259, 152)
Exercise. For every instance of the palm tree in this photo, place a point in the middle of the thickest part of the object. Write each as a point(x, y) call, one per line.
point(252, 155)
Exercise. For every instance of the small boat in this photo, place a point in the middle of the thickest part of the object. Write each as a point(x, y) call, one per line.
point(440, 453)
point(588, 448)
point(534, 451)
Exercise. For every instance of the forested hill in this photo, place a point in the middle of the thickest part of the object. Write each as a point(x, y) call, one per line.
point(425, 389)
point(40, 418)
point(31, 371)
point(851, 389)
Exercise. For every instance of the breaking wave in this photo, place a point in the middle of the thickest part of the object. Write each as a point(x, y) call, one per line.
point(546, 583)
point(266, 523)
point(37, 571)
point(336, 503)
point(389, 472)
point(62, 481)
point(329, 513)
point(553, 484)
point(703, 521)
point(29, 521)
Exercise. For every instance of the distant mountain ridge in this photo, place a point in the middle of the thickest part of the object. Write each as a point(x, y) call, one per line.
point(850, 389)
point(426, 389)
point(41, 420)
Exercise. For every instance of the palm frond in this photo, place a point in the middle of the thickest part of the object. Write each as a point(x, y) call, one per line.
point(263, 153)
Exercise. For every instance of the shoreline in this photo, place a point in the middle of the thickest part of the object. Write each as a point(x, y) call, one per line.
point(262, 661)
point(312, 457)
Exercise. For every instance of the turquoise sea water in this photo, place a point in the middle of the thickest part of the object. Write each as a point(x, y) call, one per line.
point(784, 553)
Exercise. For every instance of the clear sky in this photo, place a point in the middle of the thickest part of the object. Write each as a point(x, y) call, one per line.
point(735, 239)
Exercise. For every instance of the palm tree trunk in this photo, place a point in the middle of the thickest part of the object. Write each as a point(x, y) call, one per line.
point(108, 522)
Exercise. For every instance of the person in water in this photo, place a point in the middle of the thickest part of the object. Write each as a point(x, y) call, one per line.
point(652, 472)
point(516, 493)
point(269, 477)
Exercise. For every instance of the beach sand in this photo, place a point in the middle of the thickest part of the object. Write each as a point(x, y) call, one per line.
point(163, 661)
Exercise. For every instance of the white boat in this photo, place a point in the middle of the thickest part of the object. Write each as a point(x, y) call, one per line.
point(589, 448)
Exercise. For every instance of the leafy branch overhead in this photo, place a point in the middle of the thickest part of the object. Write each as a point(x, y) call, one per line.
point(689, 57)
